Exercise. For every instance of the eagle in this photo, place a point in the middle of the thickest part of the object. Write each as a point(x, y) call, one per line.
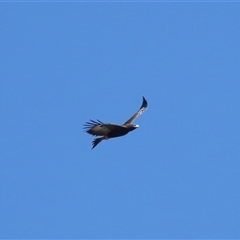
point(109, 130)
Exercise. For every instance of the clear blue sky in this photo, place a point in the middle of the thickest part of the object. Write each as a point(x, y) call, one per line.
point(177, 176)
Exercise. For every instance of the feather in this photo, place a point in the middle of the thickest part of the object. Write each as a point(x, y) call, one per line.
point(96, 141)
point(138, 113)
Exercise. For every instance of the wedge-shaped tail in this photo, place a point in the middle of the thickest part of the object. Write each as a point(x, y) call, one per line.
point(96, 141)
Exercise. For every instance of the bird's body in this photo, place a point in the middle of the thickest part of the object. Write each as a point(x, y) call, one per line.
point(109, 130)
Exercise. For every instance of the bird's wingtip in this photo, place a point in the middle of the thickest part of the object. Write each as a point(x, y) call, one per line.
point(144, 103)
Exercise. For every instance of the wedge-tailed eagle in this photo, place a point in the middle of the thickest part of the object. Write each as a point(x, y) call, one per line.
point(109, 130)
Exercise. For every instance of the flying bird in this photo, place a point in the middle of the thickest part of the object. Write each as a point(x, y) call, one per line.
point(109, 130)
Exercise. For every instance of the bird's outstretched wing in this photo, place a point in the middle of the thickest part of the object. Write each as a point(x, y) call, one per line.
point(138, 113)
point(98, 128)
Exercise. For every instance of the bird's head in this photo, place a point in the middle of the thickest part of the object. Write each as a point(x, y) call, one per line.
point(132, 127)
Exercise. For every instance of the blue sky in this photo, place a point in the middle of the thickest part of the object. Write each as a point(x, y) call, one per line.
point(177, 176)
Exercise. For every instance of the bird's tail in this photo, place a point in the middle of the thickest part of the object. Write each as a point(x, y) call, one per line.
point(96, 141)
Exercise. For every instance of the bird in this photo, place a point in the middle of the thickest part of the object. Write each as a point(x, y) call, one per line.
point(109, 130)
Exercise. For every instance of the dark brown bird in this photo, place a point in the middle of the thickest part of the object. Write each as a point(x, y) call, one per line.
point(109, 130)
